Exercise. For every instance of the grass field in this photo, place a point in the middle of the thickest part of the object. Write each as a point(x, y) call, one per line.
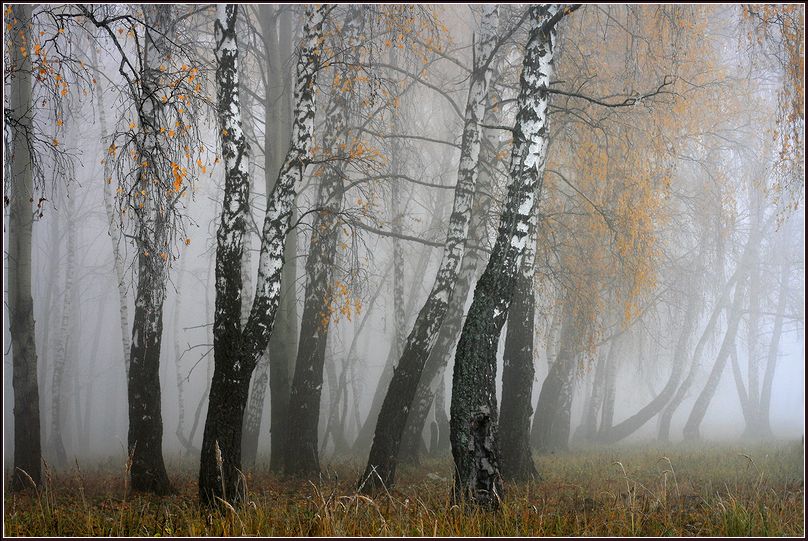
point(729, 490)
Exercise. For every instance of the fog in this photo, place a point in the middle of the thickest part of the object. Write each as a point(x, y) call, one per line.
point(666, 262)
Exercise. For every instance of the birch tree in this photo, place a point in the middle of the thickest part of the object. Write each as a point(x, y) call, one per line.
point(381, 466)
point(237, 349)
point(474, 404)
point(273, 370)
point(304, 400)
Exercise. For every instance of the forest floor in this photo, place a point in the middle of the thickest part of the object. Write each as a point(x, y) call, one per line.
point(727, 490)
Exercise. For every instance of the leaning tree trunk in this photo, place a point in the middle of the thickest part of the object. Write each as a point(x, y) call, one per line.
point(273, 370)
point(627, 427)
point(432, 374)
point(551, 406)
point(474, 399)
point(237, 350)
point(383, 459)
point(691, 429)
point(400, 315)
point(517, 373)
point(774, 349)
point(27, 443)
point(663, 431)
point(320, 300)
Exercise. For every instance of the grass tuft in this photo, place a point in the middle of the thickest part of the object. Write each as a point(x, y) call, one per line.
point(647, 491)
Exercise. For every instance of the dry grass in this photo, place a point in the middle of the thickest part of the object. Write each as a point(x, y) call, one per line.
point(727, 491)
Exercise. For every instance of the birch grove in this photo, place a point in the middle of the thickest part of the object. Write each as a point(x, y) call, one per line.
point(365, 262)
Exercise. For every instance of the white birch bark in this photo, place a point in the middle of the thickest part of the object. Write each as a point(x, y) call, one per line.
point(392, 419)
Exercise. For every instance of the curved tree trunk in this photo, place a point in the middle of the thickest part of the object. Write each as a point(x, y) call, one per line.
point(740, 276)
point(401, 313)
point(677, 399)
point(435, 366)
point(552, 411)
point(680, 356)
point(383, 459)
point(691, 429)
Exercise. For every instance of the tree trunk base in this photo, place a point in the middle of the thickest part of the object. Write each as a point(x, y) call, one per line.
point(483, 482)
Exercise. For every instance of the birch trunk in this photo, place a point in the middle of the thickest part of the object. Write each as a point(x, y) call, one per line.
point(474, 402)
point(691, 429)
point(518, 372)
point(439, 357)
point(383, 459)
point(113, 224)
point(773, 351)
point(302, 456)
point(587, 431)
point(277, 363)
point(665, 418)
point(237, 350)
point(365, 437)
point(145, 437)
